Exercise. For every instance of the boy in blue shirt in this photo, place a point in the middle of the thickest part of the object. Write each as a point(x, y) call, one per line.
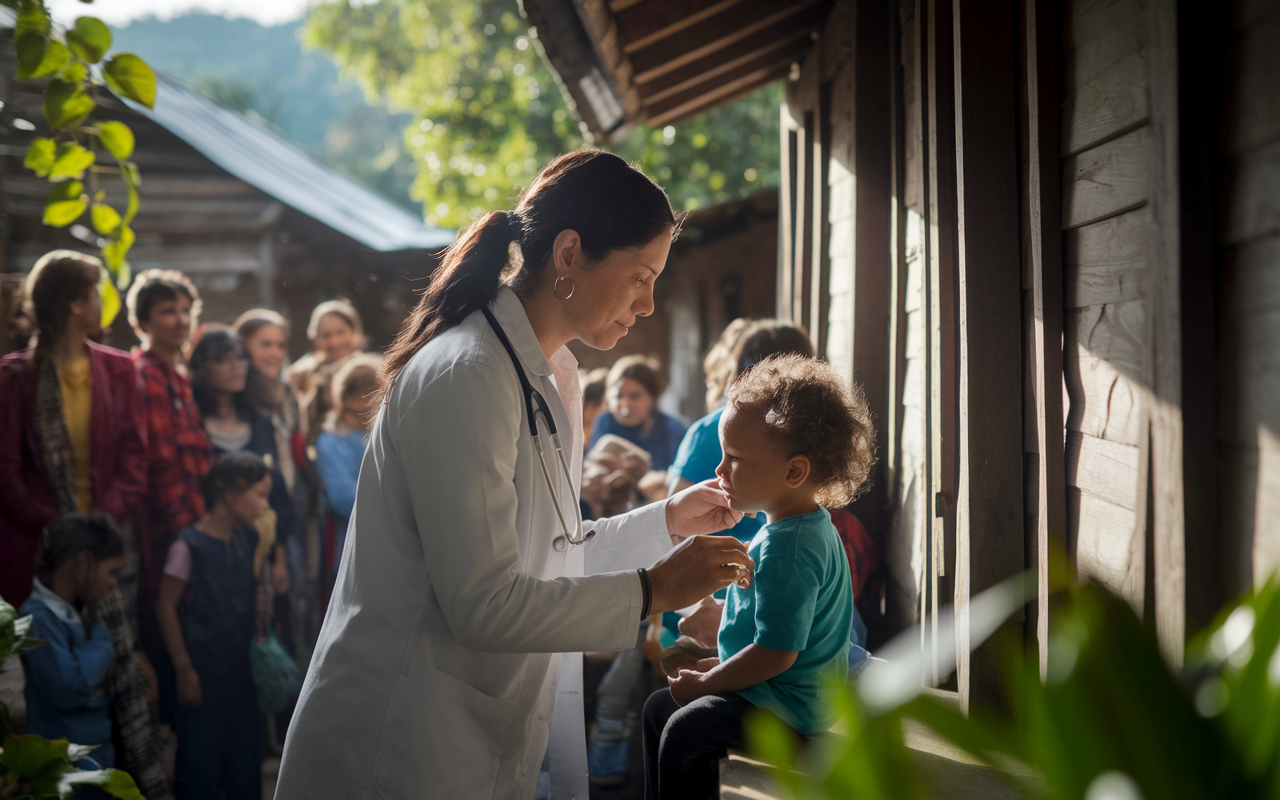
point(797, 440)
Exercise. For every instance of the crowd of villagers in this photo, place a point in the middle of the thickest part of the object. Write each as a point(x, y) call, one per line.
point(167, 508)
point(167, 511)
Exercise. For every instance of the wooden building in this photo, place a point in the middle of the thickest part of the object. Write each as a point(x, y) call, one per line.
point(1044, 237)
point(250, 217)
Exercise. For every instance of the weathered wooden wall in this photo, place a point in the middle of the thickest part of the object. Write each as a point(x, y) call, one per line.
point(1105, 144)
point(1249, 389)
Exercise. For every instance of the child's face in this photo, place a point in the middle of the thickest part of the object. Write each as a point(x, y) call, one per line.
point(249, 505)
point(754, 468)
point(169, 325)
point(98, 579)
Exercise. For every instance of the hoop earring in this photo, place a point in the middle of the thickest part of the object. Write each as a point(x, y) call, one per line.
point(555, 288)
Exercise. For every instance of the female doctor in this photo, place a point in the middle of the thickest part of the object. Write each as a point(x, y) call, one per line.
point(438, 670)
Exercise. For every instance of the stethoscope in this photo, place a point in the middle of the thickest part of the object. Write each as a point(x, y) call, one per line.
point(536, 405)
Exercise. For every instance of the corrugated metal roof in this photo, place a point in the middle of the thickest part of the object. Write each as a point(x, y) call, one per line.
point(261, 157)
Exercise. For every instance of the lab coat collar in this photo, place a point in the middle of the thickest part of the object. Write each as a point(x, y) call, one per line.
point(509, 312)
point(60, 608)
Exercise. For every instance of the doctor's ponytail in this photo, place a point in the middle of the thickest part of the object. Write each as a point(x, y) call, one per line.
point(610, 204)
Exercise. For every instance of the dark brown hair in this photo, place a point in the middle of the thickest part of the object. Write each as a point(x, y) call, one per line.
point(58, 279)
point(338, 308)
point(156, 285)
point(641, 369)
point(232, 472)
point(358, 377)
point(255, 319)
point(771, 337)
point(611, 205)
point(814, 412)
point(72, 534)
point(219, 343)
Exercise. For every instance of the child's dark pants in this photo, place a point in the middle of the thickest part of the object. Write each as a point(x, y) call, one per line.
point(683, 746)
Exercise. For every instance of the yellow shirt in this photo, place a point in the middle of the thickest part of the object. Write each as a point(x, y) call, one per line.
point(77, 400)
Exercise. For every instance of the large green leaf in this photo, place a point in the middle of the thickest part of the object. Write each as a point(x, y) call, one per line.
point(65, 204)
point(40, 156)
point(117, 247)
point(71, 162)
point(89, 38)
point(105, 218)
point(114, 782)
point(129, 76)
point(66, 104)
point(117, 138)
point(33, 756)
point(38, 55)
point(110, 300)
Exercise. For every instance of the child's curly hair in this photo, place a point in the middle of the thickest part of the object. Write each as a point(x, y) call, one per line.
point(808, 405)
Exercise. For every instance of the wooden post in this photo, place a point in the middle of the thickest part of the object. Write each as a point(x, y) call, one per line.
point(1167, 514)
point(989, 522)
point(1044, 250)
point(872, 198)
point(942, 332)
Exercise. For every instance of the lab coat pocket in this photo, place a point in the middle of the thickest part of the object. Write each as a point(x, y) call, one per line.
point(441, 738)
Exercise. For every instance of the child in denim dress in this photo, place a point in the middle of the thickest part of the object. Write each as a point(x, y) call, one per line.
point(81, 554)
point(797, 440)
point(207, 612)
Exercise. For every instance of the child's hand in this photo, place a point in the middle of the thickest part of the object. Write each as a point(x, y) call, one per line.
point(189, 688)
point(707, 664)
point(687, 687)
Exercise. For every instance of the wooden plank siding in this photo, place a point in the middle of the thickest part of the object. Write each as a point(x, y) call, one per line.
point(1105, 144)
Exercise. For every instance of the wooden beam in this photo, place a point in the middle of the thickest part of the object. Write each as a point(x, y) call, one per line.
point(989, 527)
point(708, 103)
point(657, 19)
point(724, 84)
point(748, 50)
point(724, 29)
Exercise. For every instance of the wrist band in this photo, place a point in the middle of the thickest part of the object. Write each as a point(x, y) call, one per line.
point(648, 592)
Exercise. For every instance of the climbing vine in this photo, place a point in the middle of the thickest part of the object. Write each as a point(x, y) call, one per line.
point(83, 154)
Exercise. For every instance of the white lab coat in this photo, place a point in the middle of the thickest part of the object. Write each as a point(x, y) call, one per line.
point(436, 671)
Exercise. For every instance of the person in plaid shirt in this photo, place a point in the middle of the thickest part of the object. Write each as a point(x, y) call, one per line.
point(163, 309)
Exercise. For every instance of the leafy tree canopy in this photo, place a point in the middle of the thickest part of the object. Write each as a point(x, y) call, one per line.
point(487, 113)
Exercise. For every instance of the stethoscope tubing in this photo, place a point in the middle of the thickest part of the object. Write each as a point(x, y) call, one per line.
point(536, 405)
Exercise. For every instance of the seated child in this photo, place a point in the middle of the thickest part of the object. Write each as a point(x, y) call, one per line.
point(81, 554)
point(797, 440)
point(207, 613)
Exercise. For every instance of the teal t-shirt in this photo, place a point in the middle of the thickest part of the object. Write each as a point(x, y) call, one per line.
point(802, 600)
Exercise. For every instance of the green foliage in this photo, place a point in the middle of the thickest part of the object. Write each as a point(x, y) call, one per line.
point(70, 156)
point(1111, 719)
point(89, 39)
point(129, 76)
point(33, 767)
point(487, 113)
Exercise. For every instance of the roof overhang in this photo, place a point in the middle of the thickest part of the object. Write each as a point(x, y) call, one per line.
point(622, 62)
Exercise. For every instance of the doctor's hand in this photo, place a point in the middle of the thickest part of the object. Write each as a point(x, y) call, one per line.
point(697, 567)
point(702, 508)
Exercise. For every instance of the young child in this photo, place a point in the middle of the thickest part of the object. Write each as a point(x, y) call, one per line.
point(340, 446)
point(207, 615)
point(81, 555)
point(797, 440)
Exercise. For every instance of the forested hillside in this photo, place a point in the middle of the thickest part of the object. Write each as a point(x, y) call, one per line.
point(265, 71)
